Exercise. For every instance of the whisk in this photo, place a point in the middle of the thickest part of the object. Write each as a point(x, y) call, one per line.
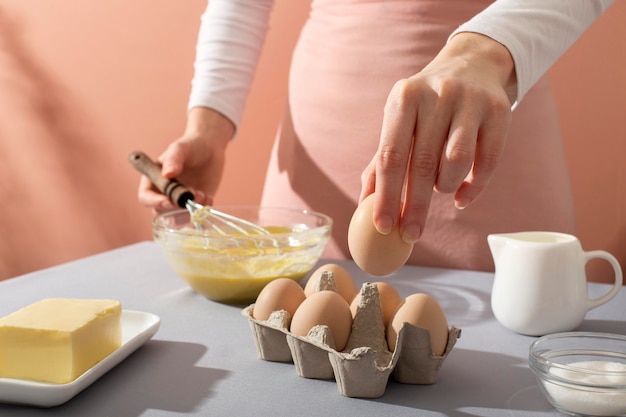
point(203, 217)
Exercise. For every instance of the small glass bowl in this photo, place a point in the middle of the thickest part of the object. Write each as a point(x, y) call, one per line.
point(582, 373)
point(234, 268)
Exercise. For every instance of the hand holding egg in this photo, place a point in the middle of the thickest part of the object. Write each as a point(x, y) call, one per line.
point(373, 252)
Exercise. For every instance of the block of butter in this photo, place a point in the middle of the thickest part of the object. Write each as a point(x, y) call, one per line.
point(58, 339)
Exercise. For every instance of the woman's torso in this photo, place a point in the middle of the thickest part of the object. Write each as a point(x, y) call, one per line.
point(349, 55)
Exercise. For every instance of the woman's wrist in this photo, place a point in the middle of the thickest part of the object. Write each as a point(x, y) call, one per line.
point(203, 120)
point(487, 53)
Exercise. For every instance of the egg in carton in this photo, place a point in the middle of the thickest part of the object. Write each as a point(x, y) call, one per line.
point(270, 336)
point(362, 369)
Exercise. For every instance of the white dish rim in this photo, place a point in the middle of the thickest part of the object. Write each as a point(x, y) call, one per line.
point(137, 328)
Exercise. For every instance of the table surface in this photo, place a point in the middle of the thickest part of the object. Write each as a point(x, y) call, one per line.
point(203, 361)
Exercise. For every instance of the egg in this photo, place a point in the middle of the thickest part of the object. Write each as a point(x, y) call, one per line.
point(343, 281)
point(373, 252)
point(420, 310)
point(389, 301)
point(324, 308)
point(279, 294)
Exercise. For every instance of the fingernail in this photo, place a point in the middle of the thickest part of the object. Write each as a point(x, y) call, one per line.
point(384, 225)
point(411, 234)
point(166, 170)
point(461, 203)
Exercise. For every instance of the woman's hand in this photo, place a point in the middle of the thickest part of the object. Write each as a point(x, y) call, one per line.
point(443, 129)
point(196, 159)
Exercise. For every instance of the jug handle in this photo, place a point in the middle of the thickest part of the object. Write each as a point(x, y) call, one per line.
point(617, 285)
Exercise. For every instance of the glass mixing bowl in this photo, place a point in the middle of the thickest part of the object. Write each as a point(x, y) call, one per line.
point(233, 268)
point(582, 373)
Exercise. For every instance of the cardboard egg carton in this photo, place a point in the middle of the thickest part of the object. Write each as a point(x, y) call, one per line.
point(364, 367)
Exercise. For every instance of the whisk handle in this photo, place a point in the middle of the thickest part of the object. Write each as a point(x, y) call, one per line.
point(174, 190)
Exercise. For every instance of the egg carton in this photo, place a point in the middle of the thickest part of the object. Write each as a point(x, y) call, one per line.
point(365, 365)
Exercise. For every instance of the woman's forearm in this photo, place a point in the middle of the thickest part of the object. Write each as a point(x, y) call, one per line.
point(536, 32)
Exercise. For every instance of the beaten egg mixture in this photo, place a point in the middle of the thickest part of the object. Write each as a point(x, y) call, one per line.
point(238, 272)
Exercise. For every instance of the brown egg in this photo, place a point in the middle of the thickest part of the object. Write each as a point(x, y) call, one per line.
point(389, 301)
point(324, 308)
point(343, 280)
point(420, 310)
point(280, 294)
point(375, 253)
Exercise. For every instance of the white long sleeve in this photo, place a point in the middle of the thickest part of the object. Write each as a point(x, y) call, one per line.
point(232, 32)
point(230, 40)
point(536, 32)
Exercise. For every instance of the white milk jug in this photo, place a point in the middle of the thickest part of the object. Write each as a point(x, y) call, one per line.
point(540, 284)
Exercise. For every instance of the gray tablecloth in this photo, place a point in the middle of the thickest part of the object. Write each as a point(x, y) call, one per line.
point(203, 362)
